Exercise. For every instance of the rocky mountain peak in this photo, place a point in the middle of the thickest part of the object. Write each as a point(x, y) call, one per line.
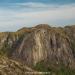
point(51, 45)
point(42, 44)
point(42, 26)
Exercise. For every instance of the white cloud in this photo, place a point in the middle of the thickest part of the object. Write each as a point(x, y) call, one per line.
point(15, 18)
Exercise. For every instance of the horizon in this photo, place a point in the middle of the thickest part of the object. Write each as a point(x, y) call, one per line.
point(35, 26)
point(15, 14)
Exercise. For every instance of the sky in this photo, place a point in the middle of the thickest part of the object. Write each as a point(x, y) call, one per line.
point(15, 14)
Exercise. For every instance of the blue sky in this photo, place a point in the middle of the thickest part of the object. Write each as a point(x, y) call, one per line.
point(15, 14)
point(42, 1)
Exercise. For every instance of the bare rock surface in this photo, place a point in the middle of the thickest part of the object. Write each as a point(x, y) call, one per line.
point(53, 46)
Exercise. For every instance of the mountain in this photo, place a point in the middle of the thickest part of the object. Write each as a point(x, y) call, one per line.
point(40, 48)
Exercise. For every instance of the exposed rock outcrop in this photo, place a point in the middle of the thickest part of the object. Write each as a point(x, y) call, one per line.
point(53, 46)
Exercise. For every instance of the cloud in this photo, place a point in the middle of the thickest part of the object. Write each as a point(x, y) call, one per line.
point(33, 6)
point(15, 16)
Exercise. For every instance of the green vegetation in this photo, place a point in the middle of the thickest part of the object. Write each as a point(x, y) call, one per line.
point(54, 71)
point(5, 49)
point(41, 67)
point(65, 71)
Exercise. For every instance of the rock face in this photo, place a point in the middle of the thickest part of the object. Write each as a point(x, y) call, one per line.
point(46, 44)
point(53, 46)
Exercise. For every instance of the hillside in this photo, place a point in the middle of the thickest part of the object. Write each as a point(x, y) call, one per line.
point(40, 48)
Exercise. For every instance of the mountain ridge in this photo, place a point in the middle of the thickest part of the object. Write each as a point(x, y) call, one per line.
point(43, 48)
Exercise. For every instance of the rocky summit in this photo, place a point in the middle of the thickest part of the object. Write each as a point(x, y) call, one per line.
point(38, 49)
